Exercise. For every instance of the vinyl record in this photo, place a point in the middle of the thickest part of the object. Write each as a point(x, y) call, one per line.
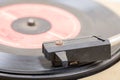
point(26, 24)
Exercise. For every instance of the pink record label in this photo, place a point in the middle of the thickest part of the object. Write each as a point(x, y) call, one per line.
point(64, 25)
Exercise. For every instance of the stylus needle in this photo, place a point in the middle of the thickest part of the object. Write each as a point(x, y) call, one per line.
point(82, 50)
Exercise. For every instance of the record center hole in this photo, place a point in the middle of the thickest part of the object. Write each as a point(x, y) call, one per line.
point(31, 22)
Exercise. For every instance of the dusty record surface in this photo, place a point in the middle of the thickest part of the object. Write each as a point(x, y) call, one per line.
point(112, 73)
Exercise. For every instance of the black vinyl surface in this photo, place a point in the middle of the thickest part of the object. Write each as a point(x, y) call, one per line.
point(30, 64)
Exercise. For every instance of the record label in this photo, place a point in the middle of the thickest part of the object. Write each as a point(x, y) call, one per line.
point(64, 25)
